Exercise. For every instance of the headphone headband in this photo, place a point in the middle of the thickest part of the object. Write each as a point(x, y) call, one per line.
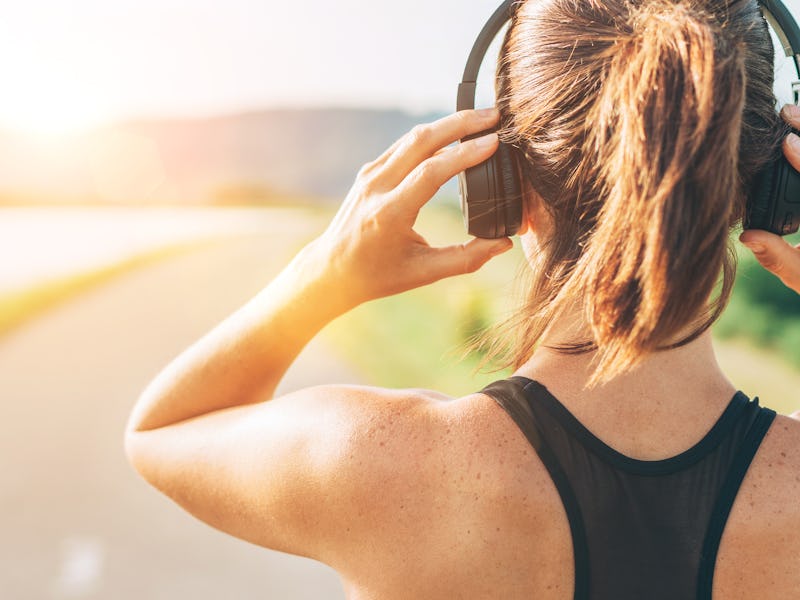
point(774, 11)
point(781, 20)
point(466, 89)
point(491, 192)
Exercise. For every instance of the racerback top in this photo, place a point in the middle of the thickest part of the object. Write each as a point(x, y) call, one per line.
point(640, 529)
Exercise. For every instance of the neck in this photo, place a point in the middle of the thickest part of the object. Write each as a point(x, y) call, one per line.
point(687, 373)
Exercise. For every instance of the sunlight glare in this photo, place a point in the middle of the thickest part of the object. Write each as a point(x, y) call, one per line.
point(50, 102)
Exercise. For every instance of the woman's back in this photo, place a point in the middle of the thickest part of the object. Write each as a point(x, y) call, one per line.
point(490, 523)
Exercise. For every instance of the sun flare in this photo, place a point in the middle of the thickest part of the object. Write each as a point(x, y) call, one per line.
point(51, 106)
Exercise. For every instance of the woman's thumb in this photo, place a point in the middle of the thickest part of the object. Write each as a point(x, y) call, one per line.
point(775, 255)
point(468, 257)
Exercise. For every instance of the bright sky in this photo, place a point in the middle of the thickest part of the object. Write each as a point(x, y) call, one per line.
point(65, 65)
point(69, 64)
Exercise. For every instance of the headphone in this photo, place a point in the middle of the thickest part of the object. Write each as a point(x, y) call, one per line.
point(491, 192)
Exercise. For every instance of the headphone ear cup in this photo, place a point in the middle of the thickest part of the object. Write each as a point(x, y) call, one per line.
point(510, 198)
point(761, 200)
point(491, 196)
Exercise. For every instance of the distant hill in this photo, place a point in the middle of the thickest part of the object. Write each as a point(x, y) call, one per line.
point(250, 156)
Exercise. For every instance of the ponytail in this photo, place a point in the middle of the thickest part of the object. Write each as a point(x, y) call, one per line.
point(666, 133)
point(643, 125)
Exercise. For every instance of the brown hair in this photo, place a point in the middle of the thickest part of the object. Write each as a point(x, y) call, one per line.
point(642, 124)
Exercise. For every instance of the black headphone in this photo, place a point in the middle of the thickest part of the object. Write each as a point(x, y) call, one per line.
point(491, 192)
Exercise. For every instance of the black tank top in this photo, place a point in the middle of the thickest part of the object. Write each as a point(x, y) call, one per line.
point(640, 529)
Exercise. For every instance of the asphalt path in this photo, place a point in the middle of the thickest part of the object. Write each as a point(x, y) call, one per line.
point(75, 520)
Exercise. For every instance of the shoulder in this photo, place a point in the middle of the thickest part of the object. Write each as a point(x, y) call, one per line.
point(767, 501)
point(761, 533)
point(776, 465)
point(417, 467)
point(781, 444)
point(424, 435)
point(348, 475)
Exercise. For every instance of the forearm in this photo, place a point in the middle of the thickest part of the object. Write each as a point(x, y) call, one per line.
point(242, 360)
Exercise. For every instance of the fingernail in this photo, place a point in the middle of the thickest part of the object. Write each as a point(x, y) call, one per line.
point(794, 142)
point(792, 110)
point(487, 112)
point(488, 140)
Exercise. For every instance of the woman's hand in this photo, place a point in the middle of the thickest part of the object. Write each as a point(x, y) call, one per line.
point(771, 250)
point(370, 248)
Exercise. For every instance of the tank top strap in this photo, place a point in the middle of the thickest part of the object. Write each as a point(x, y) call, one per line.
point(510, 395)
point(513, 396)
point(741, 462)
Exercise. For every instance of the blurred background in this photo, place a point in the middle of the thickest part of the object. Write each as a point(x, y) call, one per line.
point(159, 163)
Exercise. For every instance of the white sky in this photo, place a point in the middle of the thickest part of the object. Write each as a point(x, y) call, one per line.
point(80, 61)
point(71, 63)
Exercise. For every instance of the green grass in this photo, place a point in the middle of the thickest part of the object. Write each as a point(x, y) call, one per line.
point(763, 310)
point(413, 340)
point(760, 372)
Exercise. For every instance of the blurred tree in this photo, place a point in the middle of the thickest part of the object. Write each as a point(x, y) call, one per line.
point(764, 289)
point(763, 310)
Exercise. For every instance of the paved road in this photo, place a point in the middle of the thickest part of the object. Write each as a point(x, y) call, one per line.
point(55, 242)
point(75, 520)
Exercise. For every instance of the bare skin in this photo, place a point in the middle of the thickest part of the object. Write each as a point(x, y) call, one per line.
point(408, 493)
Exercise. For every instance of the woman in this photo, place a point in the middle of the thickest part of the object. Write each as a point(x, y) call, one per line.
point(643, 128)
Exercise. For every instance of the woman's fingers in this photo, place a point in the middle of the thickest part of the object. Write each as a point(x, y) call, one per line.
point(791, 145)
point(464, 258)
point(791, 114)
point(776, 255)
point(426, 179)
point(791, 149)
point(372, 236)
point(424, 141)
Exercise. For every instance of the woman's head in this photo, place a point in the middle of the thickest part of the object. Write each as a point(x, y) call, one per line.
point(642, 125)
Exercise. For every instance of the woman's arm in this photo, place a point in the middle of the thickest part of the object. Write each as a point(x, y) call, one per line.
point(370, 250)
point(271, 472)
